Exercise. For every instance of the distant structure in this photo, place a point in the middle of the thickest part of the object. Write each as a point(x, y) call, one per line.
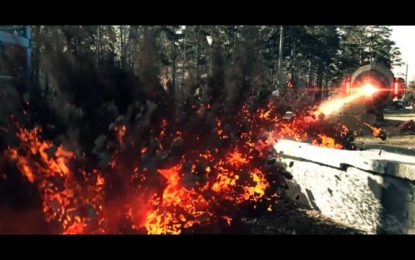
point(15, 55)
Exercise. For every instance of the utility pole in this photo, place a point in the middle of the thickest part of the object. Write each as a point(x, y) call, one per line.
point(279, 66)
point(406, 75)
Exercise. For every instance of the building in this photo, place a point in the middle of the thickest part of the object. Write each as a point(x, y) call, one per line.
point(15, 56)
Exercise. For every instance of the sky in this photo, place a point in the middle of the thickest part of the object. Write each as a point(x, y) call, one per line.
point(404, 37)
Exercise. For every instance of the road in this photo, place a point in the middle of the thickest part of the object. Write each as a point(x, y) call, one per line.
point(397, 141)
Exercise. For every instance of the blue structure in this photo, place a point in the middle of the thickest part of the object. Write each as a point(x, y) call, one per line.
point(19, 36)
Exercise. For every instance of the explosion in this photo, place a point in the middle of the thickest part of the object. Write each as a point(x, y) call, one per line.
point(206, 185)
point(72, 202)
point(131, 155)
point(376, 131)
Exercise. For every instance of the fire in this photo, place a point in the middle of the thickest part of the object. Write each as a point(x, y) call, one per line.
point(219, 130)
point(264, 114)
point(225, 181)
point(196, 206)
point(237, 158)
point(368, 89)
point(204, 185)
point(329, 107)
point(62, 194)
point(326, 141)
point(120, 132)
point(163, 128)
point(143, 150)
point(177, 199)
point(377, 132)
point(258, 191)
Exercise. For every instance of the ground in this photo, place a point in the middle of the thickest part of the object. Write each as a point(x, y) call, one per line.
point(290, 218)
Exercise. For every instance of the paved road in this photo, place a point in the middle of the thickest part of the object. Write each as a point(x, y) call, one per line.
point(397, 141)
point(400, 115)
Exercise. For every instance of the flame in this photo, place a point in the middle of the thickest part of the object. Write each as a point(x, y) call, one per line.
point(369, 90)
point(163, 128)
point(165, 218)
point(219, 130)
point(120, 132)
point(329, 107)
point(163, 221)
point(62, 195)
point(258, 191)
point(204, 186)
point(327, 142)
point(375, 131)
point(344, 129)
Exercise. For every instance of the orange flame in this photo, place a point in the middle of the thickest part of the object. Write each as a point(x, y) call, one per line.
point(74, 198)
point(120, 131)
point(375, 131)
point(326, 141)
point(62, 201)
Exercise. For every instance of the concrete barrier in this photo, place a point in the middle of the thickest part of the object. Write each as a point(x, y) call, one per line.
point(372, 191)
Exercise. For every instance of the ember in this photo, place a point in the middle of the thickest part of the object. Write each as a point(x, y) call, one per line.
point(326, 141)
point(74, 197)
point(131, 154)
point(66, 199)
point(377, 132)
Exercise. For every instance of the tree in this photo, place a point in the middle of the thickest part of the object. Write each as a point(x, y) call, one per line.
point(317, 55)
point(360, 45)
point(380, 47)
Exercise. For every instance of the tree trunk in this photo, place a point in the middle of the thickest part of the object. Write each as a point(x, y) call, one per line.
point(293, 81)
point(98, 44)
point(122, 47)
point(310, 80)
point(173, 76)
point(197, 57)
point(233, 44)
point(184, 56)
point(319, 82)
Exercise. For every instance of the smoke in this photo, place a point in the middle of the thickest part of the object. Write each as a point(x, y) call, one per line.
point(83, 104)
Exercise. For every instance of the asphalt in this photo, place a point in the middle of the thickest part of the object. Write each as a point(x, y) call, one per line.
point(397, 141)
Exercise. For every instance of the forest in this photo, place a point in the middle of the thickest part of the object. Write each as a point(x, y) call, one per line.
point(167, 129)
